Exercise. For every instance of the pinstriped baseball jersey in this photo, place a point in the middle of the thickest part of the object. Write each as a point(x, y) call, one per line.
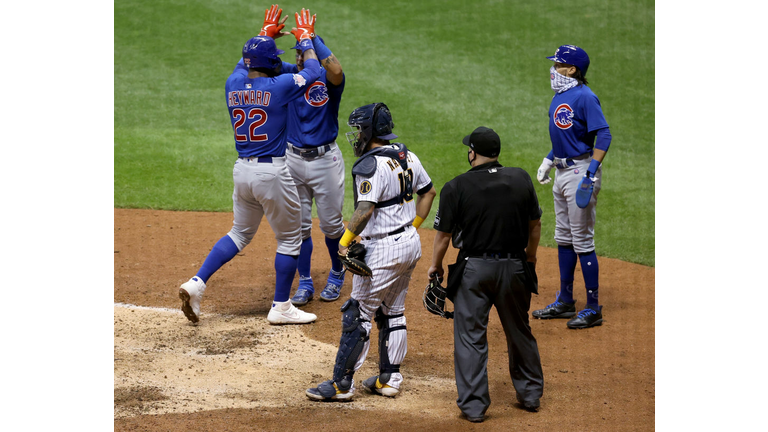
point(388, 182)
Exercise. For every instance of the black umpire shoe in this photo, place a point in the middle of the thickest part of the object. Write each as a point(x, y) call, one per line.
point(557, 309)
point(532, 406)
point(479, 419)
point(587, 318)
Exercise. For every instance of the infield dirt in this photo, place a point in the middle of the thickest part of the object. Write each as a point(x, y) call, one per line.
point(235, 372)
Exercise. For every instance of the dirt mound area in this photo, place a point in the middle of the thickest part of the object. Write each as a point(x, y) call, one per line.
point(235, 372)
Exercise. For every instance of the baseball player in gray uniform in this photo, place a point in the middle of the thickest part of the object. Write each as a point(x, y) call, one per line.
point(386, 218)
point(317, 167)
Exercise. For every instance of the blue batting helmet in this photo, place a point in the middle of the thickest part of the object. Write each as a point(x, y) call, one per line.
point(261, 52)
point(572, 55)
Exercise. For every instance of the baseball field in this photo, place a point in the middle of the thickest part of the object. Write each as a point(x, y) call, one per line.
point(443, 68)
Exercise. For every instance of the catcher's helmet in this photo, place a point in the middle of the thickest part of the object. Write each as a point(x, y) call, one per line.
point(373, 120)
point(572, 55)
point(260, 52)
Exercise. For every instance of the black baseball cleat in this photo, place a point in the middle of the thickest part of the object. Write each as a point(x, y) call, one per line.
point(557, 309)
point(587, 318)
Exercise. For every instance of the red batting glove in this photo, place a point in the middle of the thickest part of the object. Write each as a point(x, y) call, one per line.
point(272, 24)
point(305, 24)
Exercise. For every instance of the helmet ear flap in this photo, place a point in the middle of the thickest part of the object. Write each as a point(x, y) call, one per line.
point(382, 122)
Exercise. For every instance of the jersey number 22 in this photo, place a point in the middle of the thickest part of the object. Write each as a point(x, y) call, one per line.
point(240, 116)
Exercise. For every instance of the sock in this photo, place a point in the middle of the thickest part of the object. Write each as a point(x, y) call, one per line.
point(285, 272)
point(305, 258)
point(333, 250)
point(566, 258)
point(223, 251)
point(591, 271)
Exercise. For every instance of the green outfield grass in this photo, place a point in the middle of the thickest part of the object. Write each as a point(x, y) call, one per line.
point(443, 68)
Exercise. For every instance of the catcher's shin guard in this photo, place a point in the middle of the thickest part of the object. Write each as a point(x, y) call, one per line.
point(353, 338)
point(389, 344)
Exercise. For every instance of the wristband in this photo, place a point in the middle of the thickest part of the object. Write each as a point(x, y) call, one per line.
point(306, 44)
point(347, 238)
point(417, 222)
point(593, 167)
point(321, 50)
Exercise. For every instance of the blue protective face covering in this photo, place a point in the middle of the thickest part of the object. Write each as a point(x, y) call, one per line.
point(561, 83)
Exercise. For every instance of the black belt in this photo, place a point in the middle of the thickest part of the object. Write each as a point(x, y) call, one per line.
point(397, 231)
point(311, 153)
point(262, 159)
point(570, 161)
point(493, 255)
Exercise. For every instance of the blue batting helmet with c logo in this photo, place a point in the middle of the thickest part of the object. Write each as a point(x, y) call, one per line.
point(261, 52)
point(572, 55)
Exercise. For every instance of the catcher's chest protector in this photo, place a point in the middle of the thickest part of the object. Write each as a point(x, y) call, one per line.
point(366, 167)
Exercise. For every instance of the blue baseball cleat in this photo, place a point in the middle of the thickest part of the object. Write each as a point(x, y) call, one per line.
point(332, 289)
point(304, 293)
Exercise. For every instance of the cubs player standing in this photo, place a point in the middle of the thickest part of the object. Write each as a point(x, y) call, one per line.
point(580, 139)
point(317, 167)
point(258, 98)
point(386, 218)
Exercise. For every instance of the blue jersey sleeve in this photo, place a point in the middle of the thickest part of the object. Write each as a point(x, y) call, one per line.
point(294, 85)
point(289, 68)
point(593, 113)
point(240, 67)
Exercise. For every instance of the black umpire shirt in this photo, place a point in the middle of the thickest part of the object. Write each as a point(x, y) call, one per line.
point(487, 209)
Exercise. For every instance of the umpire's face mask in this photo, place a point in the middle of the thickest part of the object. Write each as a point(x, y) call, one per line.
point(471, 160)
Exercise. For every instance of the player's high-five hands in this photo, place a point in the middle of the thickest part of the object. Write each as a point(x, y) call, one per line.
point(306, 25)
point(272, 23)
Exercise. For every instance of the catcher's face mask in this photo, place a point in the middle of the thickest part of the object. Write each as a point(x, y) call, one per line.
point(356, 139)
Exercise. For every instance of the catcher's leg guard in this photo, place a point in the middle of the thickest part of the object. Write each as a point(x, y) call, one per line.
point(353, 338)
point(392, 348)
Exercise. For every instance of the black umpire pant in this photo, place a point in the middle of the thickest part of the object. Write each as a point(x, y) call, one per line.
point(501, 283)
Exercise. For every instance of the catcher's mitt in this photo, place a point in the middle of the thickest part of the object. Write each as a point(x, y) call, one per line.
point(434, 297)
point(354, 260)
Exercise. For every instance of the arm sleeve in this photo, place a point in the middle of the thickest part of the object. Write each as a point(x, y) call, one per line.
point(551, 155)
point(322, 51)
point(603, 139)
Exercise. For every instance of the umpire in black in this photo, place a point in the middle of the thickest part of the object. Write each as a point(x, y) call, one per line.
point(492, 214)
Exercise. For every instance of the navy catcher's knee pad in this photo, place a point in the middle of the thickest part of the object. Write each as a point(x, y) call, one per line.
point(353, 338)
point(386, 369)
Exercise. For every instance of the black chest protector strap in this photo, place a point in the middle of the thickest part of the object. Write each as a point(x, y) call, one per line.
point(366, 167)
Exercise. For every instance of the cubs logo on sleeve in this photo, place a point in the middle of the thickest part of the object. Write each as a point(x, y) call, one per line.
point(563, 116)
point(317, 94)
